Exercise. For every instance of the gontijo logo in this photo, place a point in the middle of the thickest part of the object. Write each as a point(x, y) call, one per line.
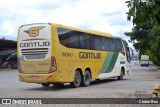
point(34, 31)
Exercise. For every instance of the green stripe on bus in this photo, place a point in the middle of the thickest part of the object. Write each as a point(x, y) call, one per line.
point(106, 62)
point(113, 62)
point(109, 62)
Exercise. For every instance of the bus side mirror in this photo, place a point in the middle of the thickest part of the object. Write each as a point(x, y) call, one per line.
point(130, 50)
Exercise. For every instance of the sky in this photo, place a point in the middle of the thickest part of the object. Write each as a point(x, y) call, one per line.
point(101, 15)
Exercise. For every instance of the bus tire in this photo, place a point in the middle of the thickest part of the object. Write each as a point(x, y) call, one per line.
point(77, 80)
point(86, 79)
point(45, 84)
point(98, 79)
point(58, 84)
point(121, 75)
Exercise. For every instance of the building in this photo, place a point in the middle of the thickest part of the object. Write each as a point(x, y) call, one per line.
point(7, 44)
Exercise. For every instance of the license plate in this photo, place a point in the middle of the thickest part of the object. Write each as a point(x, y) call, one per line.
point(34, 77)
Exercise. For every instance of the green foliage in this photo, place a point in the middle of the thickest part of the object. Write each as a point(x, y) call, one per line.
point(155, 44)
point(145, 16)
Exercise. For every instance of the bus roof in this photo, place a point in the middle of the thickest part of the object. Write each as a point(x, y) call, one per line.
point(91, 31)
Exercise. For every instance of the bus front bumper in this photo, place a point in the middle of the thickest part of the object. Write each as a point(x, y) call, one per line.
point(36, 78)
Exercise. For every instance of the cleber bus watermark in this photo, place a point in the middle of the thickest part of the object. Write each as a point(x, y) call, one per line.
point(149, 101)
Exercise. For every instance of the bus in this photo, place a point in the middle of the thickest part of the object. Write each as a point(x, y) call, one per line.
point(144, 60)
point(56, 54)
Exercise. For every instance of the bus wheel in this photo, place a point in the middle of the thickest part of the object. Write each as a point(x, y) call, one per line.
point(45, 84)
point(77, 80)
point(121, 75)
point(86, 79)
point(58, 84)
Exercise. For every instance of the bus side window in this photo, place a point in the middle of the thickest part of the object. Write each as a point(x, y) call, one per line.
point(119, 46)
point(93, 42)
point(82, 42)
point(97, 43)
point(103, 43)
point(87, 41)
point(74, 42)
point(107, 45)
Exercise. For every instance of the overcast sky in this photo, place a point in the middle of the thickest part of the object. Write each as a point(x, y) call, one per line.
point(102, 15)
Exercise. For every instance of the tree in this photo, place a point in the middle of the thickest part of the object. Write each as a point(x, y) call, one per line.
point(145, 16)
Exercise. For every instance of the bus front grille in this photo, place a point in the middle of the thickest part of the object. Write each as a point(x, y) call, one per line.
point(34, 51)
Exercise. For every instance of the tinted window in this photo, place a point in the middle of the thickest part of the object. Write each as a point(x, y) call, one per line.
point(80, 40)
point(69, 38)
point(7, 52)
point(119, 46)
point(127, 50)
point(12, 58)
point(15, 57)
point(97, 43)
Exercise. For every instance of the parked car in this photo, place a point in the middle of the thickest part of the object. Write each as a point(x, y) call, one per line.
point(4, 55)
point(11, 61)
